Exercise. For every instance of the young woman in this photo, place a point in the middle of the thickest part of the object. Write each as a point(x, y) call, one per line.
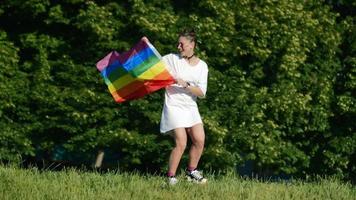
point(180, 115)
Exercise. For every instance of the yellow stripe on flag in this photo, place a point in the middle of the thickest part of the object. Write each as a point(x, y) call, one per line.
point(152, 72)
point(121, 82)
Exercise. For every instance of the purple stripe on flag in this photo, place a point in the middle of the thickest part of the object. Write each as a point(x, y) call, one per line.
point(132, 52)
point(107, 60)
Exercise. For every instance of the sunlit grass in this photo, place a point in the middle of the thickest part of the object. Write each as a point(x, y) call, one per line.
point(75, 184)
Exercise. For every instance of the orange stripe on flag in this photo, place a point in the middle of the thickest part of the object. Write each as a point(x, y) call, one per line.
point(129, 88)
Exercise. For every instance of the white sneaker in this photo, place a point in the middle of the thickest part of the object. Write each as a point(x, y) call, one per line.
point(196, 177)
point(172, 180)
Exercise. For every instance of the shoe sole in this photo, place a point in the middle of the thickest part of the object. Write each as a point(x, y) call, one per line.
point(203, 181)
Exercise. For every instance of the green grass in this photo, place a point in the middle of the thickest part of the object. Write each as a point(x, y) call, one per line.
point(21, 184)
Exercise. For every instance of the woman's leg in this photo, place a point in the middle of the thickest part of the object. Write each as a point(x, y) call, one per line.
point(180, 138)
point(197, 136)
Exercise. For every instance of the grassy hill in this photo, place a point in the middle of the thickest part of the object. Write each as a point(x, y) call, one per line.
point(32, 183)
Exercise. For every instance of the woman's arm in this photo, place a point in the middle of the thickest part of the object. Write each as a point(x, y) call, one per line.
point(192, 89)
point(195, 90)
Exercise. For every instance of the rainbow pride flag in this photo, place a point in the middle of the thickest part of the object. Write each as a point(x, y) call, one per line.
point(134, 73)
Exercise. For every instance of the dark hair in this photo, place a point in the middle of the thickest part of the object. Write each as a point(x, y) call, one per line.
point(189, 34)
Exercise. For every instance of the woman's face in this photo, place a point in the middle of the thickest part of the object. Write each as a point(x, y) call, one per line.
point(185, 47)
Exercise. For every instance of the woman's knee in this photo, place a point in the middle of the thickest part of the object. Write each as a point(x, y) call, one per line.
point(180, 138)
point(197, 135)
point(181, 145)
point(199, 143)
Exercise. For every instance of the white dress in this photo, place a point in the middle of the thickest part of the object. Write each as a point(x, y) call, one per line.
point(180, 108)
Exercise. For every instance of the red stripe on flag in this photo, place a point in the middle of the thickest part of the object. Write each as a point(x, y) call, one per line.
point(138, 89)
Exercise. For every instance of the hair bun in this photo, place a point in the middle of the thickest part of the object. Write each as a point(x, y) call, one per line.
point(189, 33)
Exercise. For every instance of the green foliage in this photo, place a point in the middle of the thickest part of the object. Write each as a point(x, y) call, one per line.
point(14, 111)
point(341, 148)
point(281, 82)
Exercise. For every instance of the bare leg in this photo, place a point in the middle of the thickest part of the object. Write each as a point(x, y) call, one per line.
point(197, 136)
point(180, 138)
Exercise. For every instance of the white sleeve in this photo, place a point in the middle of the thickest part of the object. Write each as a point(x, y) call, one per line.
point(168, 61)
point(203, 80)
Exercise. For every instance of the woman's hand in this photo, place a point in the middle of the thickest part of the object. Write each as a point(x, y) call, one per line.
point(144, 38)
point(182, 82)
point(192, 89)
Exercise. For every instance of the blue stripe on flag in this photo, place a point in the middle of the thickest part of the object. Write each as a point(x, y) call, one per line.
point(137, 59)
point(113, 66)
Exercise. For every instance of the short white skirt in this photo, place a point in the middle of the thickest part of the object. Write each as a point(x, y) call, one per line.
point(178, 117)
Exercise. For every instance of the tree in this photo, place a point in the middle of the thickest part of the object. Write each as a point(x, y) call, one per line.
point(14, 138)
point(281, 82)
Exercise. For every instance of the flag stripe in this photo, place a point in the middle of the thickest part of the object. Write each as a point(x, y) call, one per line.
point(152, 72)
point(139, 90)
point(116, 60)
point(130, 88)
point(146, 65)
point(121, 82)
point(117, 97)
point(137, 59)
point(113, 66)
point(114, 75)
point(120, 72)
point(132, 62)
point(132, 52)
point(107, 60)
point(134, 73)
